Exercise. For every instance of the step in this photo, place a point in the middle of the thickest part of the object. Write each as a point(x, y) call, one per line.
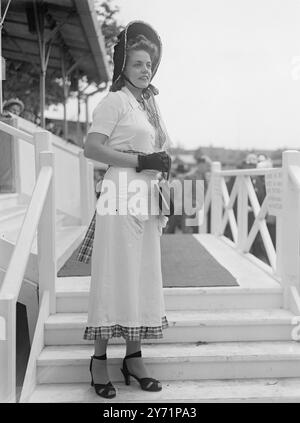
point(68, 238)
point(11, 221)
point(188, 326)
point(239, 390)
point(8, 200)
point(72, 296)
point(11, 212)
point(193, 361)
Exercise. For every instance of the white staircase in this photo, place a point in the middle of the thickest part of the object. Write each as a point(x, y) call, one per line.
point(223, 344)
point(69, 233)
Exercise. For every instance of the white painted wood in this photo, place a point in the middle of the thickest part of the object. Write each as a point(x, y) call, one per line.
point(12, 212)
point(242, 214)
point(245, 172)
point(259, 224)
point(8, 348)
point(183, 391)
point(188, 326)
point(84, 189)
point(290, 234)
point(294, 302)
point(67, 240)
point(202, 299)
point(16, 132)
point(16, 159)
point(216, 199)
point(229, 214)
point(228, 360)
point(14, 276)
point(46, 234)
point(42, 142)
point(207, 204)
point(238, 264)
point(8, 200)
point(279, 251)
point(37, 345)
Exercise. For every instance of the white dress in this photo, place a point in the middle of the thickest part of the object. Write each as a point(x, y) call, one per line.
point(126, 293)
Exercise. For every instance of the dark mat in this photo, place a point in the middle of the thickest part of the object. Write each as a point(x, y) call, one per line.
point(185, 262)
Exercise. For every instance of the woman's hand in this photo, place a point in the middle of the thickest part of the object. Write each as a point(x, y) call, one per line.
point(160, 161)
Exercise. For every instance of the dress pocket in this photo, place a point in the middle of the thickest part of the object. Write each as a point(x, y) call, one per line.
point(135, 225)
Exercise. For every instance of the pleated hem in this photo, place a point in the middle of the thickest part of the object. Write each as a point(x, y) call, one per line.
point(129, 333)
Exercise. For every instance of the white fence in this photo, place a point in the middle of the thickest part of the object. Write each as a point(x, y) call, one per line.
point(74, 173)
point(232, 209)
point(45, 162)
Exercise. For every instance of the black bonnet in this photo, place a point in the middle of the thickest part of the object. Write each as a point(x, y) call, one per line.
point(133, 29)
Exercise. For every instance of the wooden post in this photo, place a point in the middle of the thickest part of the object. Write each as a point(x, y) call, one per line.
point(42, 142)
point(8, 349)
point(289, 237)
point(46, 238)
point(16, 158)
point(242, 213)
point(84, 188)
point(216, 199)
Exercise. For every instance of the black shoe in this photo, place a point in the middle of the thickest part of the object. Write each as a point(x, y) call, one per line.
point(146, 383)
point(104, 390)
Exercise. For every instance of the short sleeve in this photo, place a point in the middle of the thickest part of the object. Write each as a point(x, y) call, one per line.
point(106, 114)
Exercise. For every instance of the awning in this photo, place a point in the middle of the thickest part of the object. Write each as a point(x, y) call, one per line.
point(46, 32)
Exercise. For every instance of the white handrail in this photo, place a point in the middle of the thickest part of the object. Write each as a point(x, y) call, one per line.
point(243, 172)
point(15, 132)
point(294, 173)
point(222, 210)
point(14, 276)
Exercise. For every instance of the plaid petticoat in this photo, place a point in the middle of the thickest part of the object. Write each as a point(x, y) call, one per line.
point(86, 248)
point(129, 333)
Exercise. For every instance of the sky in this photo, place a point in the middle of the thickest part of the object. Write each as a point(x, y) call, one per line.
point(230, 70)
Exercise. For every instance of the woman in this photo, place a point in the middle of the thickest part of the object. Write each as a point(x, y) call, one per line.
point(127, 133)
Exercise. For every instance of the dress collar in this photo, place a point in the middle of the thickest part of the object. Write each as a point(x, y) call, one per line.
point(132, 100)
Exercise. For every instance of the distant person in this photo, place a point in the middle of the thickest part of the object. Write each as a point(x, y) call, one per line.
point(200, 172)
point(13, 106)
point(50, 126)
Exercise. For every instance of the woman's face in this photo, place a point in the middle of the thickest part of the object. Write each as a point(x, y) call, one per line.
point(138, 68)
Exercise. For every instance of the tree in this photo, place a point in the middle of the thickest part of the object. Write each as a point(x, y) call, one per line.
point(23, 82)
point(106, 13)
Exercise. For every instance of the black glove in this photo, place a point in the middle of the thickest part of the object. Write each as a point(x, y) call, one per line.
point(157, 161)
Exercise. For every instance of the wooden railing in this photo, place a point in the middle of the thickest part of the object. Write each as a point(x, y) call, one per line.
point(40, 217)
point(231, 210)
point(74, 172)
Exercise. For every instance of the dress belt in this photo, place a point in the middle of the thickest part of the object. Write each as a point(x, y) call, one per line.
point(131, 151)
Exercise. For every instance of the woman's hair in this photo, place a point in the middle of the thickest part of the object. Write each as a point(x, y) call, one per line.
point(140, 42)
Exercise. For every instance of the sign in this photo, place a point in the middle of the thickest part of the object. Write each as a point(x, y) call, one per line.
point(274, 189)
